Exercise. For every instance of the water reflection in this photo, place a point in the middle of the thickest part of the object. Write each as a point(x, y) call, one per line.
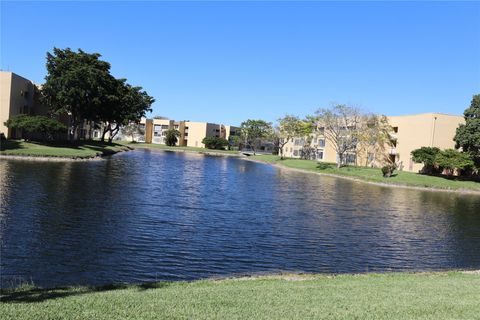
point(149, 215)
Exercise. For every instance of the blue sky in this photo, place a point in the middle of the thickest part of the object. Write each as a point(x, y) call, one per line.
point(229, 61)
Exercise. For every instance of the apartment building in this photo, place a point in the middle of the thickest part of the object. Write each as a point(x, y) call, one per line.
point(191, 133)
point(409, 132)
point(17, 96)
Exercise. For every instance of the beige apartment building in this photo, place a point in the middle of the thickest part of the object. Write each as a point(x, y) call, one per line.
point(421, 130)
point(17, 96)
point(191, 133)
point(409, 132)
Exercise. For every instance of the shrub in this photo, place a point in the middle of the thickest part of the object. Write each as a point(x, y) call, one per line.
point(427, 156)
point(326, 165)
point(388, 170)
point(44, 126)
point(215, 142)
point(171, 137)
point(452, 160)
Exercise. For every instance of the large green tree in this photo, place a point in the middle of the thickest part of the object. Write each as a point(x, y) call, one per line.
point(124, 104)
point(254, 131)
point(77, 83)
point(80, 84)
point(467, 136)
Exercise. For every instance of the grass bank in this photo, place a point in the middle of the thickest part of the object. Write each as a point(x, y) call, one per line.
point(373, 174)
point(179, 148)
point(449, 295)
point(78, 150)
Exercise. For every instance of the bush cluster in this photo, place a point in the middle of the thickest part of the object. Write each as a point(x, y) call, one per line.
point(215, 143)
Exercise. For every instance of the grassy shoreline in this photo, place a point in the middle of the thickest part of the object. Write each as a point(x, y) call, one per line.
point(79, 150)
point(373, 175)
point(436, 295)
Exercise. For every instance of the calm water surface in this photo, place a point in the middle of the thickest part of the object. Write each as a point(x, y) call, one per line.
point(146, 216)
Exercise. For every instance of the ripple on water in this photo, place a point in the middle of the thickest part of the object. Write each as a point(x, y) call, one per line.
point(146, 216)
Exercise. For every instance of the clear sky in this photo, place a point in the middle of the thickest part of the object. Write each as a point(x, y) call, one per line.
point(229, 61)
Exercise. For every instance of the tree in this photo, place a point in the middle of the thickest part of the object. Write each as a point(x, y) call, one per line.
point(340, 125)
point(306, 132)
point(215, 142)
point(288, 127)
point(77, 83)
point(374, 138)
point(467, 136)
point(253, 131)
point(452, 160)
point(133, 129)
point(427, 156)
point(80, 84)
point(171, 137)
point(44, 126)
point(124, 104)
point(234, 141)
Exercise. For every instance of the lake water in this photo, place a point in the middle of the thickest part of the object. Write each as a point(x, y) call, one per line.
point(155, 215)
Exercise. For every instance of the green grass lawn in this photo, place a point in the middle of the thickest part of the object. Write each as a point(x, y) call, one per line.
point(178, 148)
point(83, 149)
point(373, 174)
point(451, 295)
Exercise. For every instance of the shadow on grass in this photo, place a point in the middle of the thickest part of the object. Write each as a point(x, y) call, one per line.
point(36, 295)
point(11, 145)
point(98, 146)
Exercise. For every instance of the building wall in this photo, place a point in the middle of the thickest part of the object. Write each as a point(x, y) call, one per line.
point(231, 130)
point(422, 130)
point(16, 97)
point(195, 132)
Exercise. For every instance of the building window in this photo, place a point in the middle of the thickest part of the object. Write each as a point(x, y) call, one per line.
point(298, 142)
point(295, 153)
point(350, 159)
point(164, 127)
point(321, 143)
point(395, 129)
point(157, 130)
point(369, 157)
point(319, 154)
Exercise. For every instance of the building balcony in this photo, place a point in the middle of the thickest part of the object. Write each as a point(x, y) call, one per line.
point(392, 151)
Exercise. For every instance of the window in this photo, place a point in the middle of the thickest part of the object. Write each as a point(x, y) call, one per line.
point(369, 157)
point(295, 153)
point(298, 142)
point(350, 159)
point(321, 143)
point(157, 130)
point(319, 154)
point(164, 127)
point(175, 127)
point(395, 129)
point(321, 130)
